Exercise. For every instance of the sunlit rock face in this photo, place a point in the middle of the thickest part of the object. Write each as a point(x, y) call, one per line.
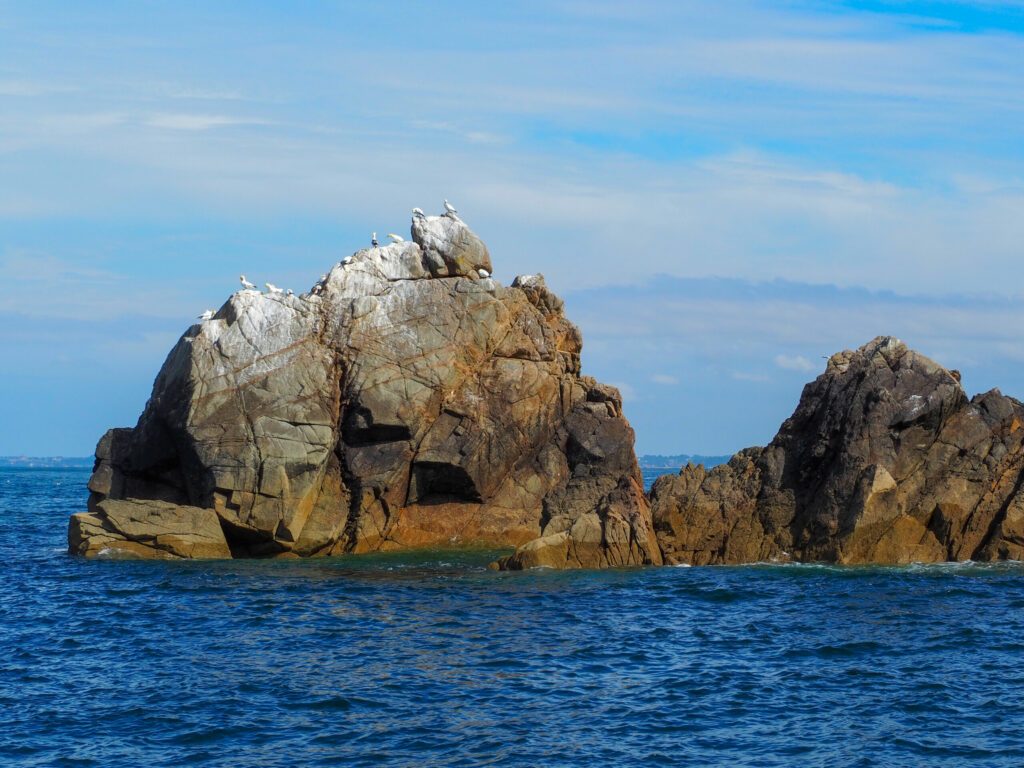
point(406, 401)
point(885, 460)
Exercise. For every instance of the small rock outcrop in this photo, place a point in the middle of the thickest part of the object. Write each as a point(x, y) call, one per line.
point(885, 460)
point(406, 401)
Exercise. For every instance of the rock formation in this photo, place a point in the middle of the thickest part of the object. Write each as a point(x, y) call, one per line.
point(885, 460)
point(405, 402)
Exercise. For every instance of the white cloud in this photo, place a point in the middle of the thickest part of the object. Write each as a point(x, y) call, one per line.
point(197, 122)
point(48, 288)
point(794, 363)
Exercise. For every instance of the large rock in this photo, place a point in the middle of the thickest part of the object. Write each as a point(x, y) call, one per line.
point(885, 460)
point(407, 401)
point(149, 529)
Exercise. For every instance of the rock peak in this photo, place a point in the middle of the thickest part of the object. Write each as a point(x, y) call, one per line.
point(884, 356)
point(450, 248)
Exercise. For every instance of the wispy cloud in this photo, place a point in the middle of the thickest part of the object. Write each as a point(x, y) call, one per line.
point(196, 122)
point(650, 148)
point(794, 363)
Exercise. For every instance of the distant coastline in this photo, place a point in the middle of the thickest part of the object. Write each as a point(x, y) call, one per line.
point(47, 462)
point(675, 462)
point(651, 461)
point(647, 462)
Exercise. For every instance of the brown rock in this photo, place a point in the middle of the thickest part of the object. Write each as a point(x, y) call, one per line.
point(147, 529)
point(406, 402)
point(885, 460)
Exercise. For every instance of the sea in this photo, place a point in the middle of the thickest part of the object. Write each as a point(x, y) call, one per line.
point(431, 659)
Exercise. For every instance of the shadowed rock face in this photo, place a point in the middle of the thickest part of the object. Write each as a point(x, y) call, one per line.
point(884, 461)
point(410, 403)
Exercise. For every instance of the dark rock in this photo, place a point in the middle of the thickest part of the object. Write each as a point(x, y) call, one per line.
point(885, 460)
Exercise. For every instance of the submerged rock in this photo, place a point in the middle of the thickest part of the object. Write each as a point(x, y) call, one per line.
point(885, 460)
point(407, 402)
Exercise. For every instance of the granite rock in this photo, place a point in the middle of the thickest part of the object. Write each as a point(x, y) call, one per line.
point(406, 401)
point(885, 460)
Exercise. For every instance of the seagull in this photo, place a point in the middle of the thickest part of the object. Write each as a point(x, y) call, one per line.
point(271, 288)
point(418, 213)
point(396, 238)
point(373, 239)
point(450, 208)
point(289, 292)
point(483, 273)
point(207, 315)
point(246, 285)
point(317, 290)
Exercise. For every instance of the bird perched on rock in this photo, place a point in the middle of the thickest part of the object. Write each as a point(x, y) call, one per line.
point(449, 208)
point(418, 213)
point(396, 238)
point(289, 292)
point(373, 240)
point(271, 288)
point(207, 315)
point(246, 285)
point(483, 273)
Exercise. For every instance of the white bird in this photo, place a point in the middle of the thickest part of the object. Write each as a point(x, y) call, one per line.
point(289, 292)
point(207, 315)
point(418, 213)
point(273, 288)
point(483, 273)
point(396, 238)
point(246, 285)
point(450, 208)
point(373, 239)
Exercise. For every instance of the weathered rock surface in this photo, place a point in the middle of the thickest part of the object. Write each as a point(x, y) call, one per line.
point(147, 529)
point(885, 460)
point(405, 402)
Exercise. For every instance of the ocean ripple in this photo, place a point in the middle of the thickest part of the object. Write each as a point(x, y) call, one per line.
point(430, 659)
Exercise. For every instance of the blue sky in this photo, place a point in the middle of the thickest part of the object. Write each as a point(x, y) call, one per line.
point(723, 192)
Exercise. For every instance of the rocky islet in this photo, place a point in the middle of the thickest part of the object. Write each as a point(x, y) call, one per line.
point(410, 400)
point(885, 460)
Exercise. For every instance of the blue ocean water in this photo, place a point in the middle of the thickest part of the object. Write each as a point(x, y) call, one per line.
point(432, 660)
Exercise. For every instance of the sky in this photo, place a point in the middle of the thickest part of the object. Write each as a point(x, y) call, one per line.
point(723, 192)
